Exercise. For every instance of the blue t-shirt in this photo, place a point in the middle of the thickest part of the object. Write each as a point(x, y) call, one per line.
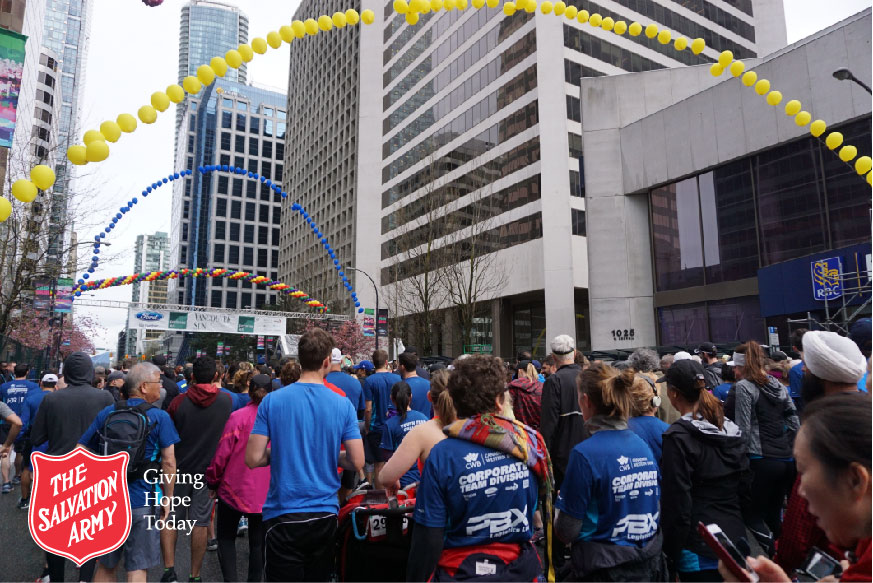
point(721, 391)
point(377, 388)
point(395, 431)
point(162, 435)
point(420, 388)
point(651, 430)
point(306, 424)
point(239, 400)
point(350, 386)
point(14, 393)
point(612, 485)
point(478, 494)
point(31, 406)
point(795, 380)
point(183, 386)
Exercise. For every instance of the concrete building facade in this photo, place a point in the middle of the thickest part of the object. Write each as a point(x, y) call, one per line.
point(707, 207)
point(480, 111)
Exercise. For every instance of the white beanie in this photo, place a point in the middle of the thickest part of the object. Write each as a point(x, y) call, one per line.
point(681, 355)
point(832, 357)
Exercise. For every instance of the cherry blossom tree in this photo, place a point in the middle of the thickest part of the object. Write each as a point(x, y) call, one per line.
point(348, 336)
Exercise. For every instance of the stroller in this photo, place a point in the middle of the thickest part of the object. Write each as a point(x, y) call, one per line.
point(374, 535)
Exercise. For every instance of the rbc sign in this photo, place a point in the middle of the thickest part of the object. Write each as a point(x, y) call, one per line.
point(826, 278)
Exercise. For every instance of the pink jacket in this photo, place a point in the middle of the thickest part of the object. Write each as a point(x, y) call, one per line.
point(238, 486)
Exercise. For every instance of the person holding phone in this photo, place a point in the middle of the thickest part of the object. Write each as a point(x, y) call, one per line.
point(832, 451)
point(704, 468)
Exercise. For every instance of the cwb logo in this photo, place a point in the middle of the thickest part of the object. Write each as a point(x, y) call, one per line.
point(149, 316)
point(472, 460)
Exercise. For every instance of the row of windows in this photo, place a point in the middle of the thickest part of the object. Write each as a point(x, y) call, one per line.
point(245, 300)
point(236, 186)
point(506, 27)
point(579, 40)
point(266, 167)
point(513, 55)
point(231, 232)
point(271, 129)
point(393, 25)
point(239, 145)
point(523, 83)
point(457, 157)
point(48, 61)
point(248, 255)
point(698, 5)
point(659, 13)
point(244, 106)
point(251, 210)
point(439, 224)
point(41, 133)
point(680, 25)
point(43, 115)
point(47, 80)
point(45, 97)
point(573, 72)
point(503, 237)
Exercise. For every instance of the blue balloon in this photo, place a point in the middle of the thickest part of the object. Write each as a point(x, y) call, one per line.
point(284, 194)
point(149, 189)
point(85, 275)
point(263, 178)
point(176, 176)
point(225, 167)
point(324, 241)
point(81, 281)
point(357, 304)
point(156, 185)
point(165, 181)
point(124, 210)
point(78, 293)
point(336, 262)
point(361, 310)
point(134, 200)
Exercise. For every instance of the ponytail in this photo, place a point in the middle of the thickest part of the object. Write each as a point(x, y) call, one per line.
point(443, 406)
point(531, 373)
point(610, 392)
point(711, 409)
point(401, 395)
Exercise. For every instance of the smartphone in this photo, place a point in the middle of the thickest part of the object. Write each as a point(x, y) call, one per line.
point(718, 541)
point(819, 565)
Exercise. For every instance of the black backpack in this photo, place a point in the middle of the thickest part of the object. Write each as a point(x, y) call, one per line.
point(127, 428)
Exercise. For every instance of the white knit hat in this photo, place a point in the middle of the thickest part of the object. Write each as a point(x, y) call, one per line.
point(681, 355)
point(832, 357)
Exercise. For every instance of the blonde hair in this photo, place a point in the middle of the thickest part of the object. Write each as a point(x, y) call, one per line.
point(642, 393)
point(241, 379)
point(443, 406)
point(530, 373)
point(609, 391)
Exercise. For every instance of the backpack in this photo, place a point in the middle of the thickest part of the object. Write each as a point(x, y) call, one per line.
point(127, 428)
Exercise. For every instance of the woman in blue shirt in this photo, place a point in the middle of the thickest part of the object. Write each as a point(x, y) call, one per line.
point(644, 423)
point(608, 503)
point(399, 425)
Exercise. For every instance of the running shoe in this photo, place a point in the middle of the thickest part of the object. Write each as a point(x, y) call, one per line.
point(212, 544)
point(169, 575)
point(7, 487)
point(24, 503)
point(16, 480)
point(243, 526)
point(193, 579)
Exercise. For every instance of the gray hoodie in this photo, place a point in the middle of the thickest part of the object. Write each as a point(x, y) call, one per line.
point(767, 418)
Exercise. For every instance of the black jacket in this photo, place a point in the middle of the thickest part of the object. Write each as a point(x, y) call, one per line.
point(172, 390)
point(712, 374)
point(64, 415)
point(704, 475)
point(200, 416)
point(562, 425)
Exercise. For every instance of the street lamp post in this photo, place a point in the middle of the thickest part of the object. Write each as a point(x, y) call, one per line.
point(375, 289)
point(843, 74)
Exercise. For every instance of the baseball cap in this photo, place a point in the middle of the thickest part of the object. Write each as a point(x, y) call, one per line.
point(50, 378)
point(537, 364)
point(336, 356)
point(707, 347)
point(365, 364)
point(683, 375)
point(261, 381)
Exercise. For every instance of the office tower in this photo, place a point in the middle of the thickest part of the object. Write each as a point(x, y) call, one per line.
point(152, 253)
point(480, 112)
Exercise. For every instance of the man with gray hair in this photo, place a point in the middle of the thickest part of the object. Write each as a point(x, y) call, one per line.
point(562, 425)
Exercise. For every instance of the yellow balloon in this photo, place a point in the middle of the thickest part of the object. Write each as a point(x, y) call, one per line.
point(491, 3)
point(147, 115)
point(635, 29)
point(411, 18)
point(697, 46)
point(802, 118)
point(6, 208)
point(620, 27)
point(246, 53)
point(664, 37)
point(99, 151)
point(834, 140)
point(218, 65)
point(607, 24)
point(44, 177)
point(401, 7)
point(176, 94)
point(418, 5)
point(716, 70)
point(352, 16)
point(462, 4)
point(725, 58)
point(425, 7)
point(299, 29)
point(205, 74)
point(792, 107)
point(848, 153)
point(652, 30)
point(192, 85)
point(311, 26)
point(737, 68)
point(339, 20)
point(531, 6)
point(749, 78)
point(594, 20)
point(774, 98)
point(762, 87)
point(450, 4)
point(25, 190)
point(546, 7)
point(160, 101)
point(76, 155)
point(870, 178)
point(477, 4)
point(680, 44)
point(571, 12)
point(259, 45)
point(582, 16)
point(92, 135)
point(509, 8)
point(368, 16)
point(862, 166)
point(559, 8)
point(232, 59)
point(110, 130)
point(126, 122)
point(324, 22)
point(274, 39)
point(818, 127)
point(285, 33)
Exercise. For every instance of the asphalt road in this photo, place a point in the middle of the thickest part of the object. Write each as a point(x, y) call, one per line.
point(22, 560)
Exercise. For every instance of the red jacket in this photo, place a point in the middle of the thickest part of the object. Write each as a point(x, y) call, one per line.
point(527, 399)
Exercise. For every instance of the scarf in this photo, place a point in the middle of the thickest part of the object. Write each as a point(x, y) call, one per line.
point(524, 444)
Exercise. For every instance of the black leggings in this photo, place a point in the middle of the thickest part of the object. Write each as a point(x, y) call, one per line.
point(226, 523)
point(772, 481)
point(57, 565)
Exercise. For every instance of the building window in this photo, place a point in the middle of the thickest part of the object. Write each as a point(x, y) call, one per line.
point(246, 301)
point(264, 213)
point(676, 235)
point(218, 253)
point(248, 256)
point(575, 184)
point(235, 209)
point(220, 227)
point(233, 255)
point(574, 108)
point(262, 258)
point(263, 237)
point(578, 219)
point(249, 234)
point(220, 207)
point(230, 300)
point(216, 298)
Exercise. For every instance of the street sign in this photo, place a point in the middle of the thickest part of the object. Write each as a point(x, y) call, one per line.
point(478, 349)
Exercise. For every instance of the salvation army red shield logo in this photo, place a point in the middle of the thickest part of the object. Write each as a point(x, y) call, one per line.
point(80, 507)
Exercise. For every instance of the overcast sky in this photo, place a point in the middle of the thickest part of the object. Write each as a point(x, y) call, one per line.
point(134, 52)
